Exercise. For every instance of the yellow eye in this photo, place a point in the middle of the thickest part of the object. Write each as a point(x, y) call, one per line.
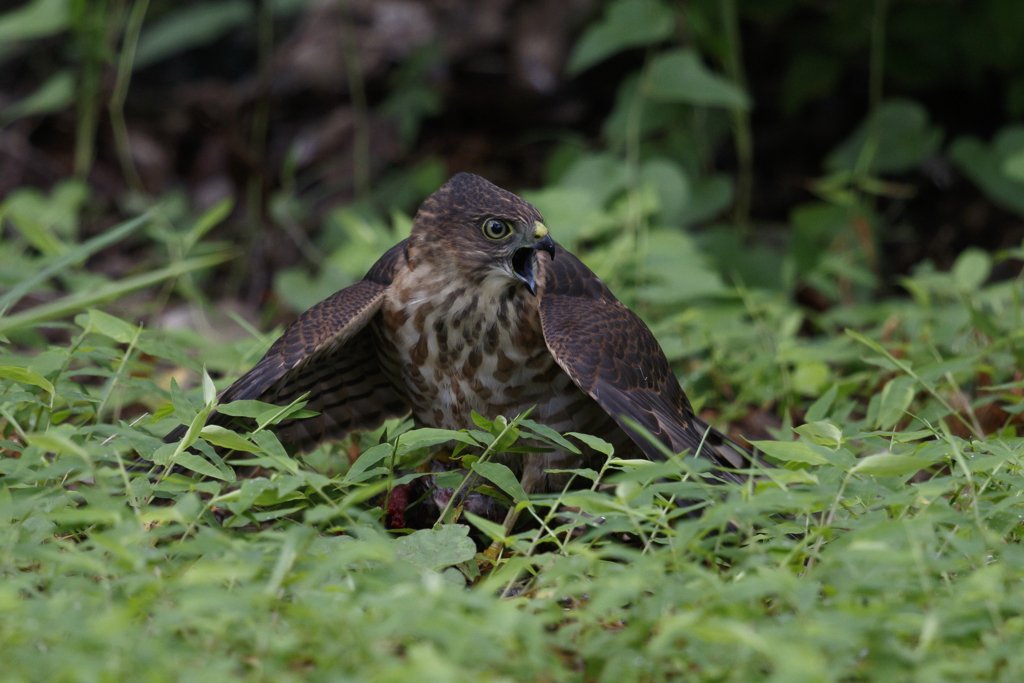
point(496, 229)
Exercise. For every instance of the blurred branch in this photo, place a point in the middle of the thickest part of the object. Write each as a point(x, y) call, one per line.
point(357, 91)
point(876, 79)
point(257, 145)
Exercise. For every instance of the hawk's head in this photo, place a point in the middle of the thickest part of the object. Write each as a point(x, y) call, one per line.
point(474, 229)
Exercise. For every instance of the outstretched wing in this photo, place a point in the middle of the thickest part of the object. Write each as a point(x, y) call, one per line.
point(612, 355)
point(330, 353)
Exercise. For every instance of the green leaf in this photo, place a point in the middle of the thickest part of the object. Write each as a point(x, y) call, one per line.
point(502, 477)
point(593, 503)
point(599, 445)
point(57, 442)
point(35, 19)
point(46, 222)
point(509, 435)
point(225, 438)
point(889, 465)
point(26, 376)
point(709, 196)
point(198, 464)
point(52, 96)
point(183, 408)
point(548, 433)
point(481, 421)
point(271, 446)
point(166, 410)
point(251, 490)
point(819, 409)
point(277, 414)
point(191, 26)
point(209, 391)
point(494, 531)
point(672, 186)
point(1013, 166)
point(595, 178)
point(194, 428)
point(896, 398)
point(791, 451)
point(425, 438)
point(900, 138)
point(821, 433)
point(783, 476)
point(162, 455)
point(364, 462)
point(971, 269)
point(626, 24)
point(681, 76)
point(434, 549)
point(677, 269)
point(571, 213)
point(112, 327)
point(985, 165)
point(246, 408)
point(448, 480)
point(809, 377)
point(209, 220)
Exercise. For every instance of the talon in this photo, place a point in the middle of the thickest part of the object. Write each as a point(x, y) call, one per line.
point(494, 551)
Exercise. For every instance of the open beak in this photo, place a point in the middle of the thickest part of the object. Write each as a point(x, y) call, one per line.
point(522, 259)
point(547, 244)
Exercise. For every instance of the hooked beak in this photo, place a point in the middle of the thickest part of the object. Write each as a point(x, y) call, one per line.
point(522, 259)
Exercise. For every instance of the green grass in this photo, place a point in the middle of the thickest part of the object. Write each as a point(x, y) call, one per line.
point(884, 547)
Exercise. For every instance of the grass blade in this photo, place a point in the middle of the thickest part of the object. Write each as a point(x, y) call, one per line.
point(77, 302)
point(76, 255)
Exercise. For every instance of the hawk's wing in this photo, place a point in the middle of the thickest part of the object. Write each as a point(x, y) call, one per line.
point(330, 353)
point(612, 355)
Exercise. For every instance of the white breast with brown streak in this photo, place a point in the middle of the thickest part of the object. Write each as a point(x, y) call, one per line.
point(456, 348)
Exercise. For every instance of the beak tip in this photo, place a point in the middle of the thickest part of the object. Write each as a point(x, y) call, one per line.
point(546, 244)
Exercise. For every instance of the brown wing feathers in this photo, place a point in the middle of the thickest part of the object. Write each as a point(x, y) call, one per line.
point(328, 352)
point(612, 355)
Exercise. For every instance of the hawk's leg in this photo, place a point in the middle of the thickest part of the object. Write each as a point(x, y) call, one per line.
point(496, 547)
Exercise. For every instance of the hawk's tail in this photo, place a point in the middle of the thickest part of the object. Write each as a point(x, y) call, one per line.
point(724, 451)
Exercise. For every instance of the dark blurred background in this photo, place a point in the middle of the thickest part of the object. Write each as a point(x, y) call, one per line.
point(821, 148)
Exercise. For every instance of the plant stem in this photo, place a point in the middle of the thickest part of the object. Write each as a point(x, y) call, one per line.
point(742, 136)
point(91, 20)
point(635, 223)
point(117, 99)
point(471, 477)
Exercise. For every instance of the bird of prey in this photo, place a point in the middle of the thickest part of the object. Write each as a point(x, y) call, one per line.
point(481, 310)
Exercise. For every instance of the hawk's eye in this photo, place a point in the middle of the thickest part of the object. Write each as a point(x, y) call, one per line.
point(496, 229)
